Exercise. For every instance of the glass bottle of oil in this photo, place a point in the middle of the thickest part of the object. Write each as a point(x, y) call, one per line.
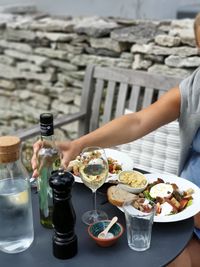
point(49, 160)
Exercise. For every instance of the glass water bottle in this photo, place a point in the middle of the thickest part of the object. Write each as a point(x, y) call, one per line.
point(49, 160)
point(16, 220)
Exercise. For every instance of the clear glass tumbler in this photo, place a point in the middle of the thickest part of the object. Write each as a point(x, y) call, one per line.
point(139, 227)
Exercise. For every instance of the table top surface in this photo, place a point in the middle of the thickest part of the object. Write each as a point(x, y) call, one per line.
point(168, 240)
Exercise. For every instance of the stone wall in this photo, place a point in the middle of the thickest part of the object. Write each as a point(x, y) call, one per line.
point(43, 58)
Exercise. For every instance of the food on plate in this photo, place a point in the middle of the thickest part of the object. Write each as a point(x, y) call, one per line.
point(118, 196)
point(114, 166)
point(133, 179)
point(169, 199)
point(74, 166)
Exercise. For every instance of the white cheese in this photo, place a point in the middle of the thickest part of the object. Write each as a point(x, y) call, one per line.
point(166, 209)
point(161, 190)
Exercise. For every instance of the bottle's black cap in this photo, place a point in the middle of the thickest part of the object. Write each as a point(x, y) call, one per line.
point(46, 118)
point(46, 124)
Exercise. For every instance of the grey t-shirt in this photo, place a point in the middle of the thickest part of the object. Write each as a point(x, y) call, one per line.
point(189, 120)
point(191, 167)
point(189, 123)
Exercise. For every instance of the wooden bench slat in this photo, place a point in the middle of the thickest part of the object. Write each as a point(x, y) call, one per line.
point(148, 97)
point(109, 102)
point(134, 98)
point(86, 100)
point(96, 104)
point(121, 101)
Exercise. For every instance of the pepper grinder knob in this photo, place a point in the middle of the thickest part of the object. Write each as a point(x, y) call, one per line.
point(64, 217)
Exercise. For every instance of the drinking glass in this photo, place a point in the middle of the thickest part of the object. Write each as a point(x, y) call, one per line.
point(139, 226)
point(93, 171)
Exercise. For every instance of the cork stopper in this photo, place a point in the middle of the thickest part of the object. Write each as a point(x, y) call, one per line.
point(9, 149)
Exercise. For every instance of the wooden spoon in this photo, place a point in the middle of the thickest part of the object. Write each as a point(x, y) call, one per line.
point(105, 231)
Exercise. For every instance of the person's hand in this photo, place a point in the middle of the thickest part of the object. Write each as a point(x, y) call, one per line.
point(68, 151)
point(34, 161)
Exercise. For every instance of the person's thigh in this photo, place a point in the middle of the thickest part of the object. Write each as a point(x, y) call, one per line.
point(182, 260)
point(197, 220)
point(194, 251)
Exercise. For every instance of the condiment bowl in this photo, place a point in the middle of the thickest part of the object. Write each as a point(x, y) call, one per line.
point(115, 233)
point(132, 181)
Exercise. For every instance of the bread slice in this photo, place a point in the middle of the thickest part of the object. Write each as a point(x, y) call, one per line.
point(118, 197)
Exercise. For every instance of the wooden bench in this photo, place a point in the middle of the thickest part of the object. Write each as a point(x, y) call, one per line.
point(108, 93)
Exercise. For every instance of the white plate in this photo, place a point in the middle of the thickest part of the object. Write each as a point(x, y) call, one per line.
point(183, 184)
point(123, 159)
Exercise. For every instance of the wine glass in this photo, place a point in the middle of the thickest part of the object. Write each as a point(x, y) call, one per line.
point(93, 171)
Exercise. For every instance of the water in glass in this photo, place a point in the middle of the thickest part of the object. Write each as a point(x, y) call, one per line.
point(16, 216)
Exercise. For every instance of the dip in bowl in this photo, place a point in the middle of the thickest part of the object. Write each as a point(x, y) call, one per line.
point(132, 181)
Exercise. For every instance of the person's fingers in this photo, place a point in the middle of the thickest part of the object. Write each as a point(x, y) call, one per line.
point(37, 146)
point(65, 153)
point(35, 173)
point(34, 162)
point(64, 162)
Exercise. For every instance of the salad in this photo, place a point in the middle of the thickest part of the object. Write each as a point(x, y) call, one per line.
point(167, 197)
point(114, 166)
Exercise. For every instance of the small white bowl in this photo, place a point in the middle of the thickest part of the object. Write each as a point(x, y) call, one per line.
point(131, 189)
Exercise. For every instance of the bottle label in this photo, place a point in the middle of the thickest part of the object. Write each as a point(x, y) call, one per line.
point(46, 129)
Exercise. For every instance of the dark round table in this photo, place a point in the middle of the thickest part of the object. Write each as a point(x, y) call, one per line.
point(168, 240)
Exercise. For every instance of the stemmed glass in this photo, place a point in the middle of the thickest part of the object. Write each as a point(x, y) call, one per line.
point(93, 171)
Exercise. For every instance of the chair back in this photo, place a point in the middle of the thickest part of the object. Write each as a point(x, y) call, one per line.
point(109, 92)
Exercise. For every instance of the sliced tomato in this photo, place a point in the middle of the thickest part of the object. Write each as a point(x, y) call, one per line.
point(111, 168)
point(183, 203)
point(158, 208)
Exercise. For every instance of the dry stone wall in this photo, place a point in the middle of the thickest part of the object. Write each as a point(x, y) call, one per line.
point(43, 58)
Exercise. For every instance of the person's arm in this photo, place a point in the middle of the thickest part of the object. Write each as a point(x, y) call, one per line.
point(125, 128)
point(135, 125)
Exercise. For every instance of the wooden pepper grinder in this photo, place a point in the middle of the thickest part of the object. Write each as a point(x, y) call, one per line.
point(64, 238)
